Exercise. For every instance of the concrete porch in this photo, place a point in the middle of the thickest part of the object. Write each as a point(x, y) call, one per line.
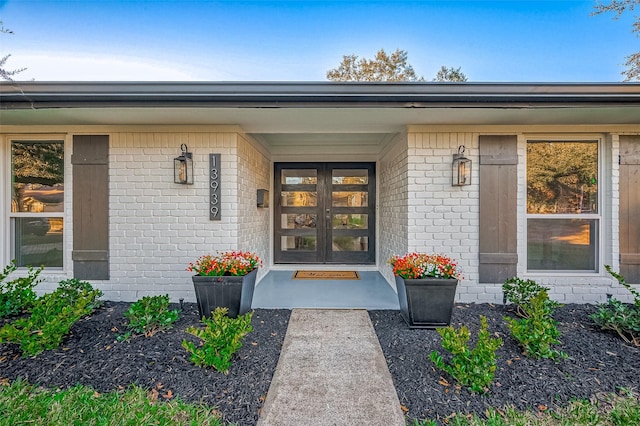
point(278, 289)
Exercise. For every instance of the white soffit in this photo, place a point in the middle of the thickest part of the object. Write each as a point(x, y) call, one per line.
point(322, 120)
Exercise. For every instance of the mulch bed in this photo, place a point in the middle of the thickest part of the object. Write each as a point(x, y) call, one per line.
point(91, 356)
point(599, 362)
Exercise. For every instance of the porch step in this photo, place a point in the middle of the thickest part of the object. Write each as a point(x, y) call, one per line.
point(331, 371)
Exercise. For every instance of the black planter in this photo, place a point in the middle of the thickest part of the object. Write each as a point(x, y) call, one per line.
point(426, 303)
point(234, 293)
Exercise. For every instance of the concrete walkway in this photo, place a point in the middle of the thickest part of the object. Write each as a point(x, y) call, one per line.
point(331, 371)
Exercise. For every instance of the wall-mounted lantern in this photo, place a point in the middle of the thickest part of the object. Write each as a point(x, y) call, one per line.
point(461, 168)
point(183, 167)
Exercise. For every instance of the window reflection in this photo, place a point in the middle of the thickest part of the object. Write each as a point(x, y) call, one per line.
point(37, 177)
point(562, 177)
point(562, 244)
point(299, 199)
point(350, 199)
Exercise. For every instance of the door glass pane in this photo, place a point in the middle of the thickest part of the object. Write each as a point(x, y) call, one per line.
point(299, 176)
point(299, 199)
point(298, 221)
point(38, 241)
point(350, 199)
point(304, 243)
point(562, 177)
point(350, 221)
point(350, 176)
point(562, 244)
point(350, 244)
point(37, 176)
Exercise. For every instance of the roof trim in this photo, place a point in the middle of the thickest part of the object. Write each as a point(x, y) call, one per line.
point(39, 95)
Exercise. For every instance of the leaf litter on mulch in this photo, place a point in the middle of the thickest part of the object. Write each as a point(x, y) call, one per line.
point(91, 355)
point(597, 362)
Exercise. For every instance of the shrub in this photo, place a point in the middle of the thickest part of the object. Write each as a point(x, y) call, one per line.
point(473, 368)
point(17, 295)
point(622, 318)
point(520, 292)
point(150, 315)
point(537, 330)
point(52, 316)
point(221, 338)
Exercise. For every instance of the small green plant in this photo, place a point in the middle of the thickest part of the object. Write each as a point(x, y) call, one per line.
point(520, 292)
point(537, 330)
point(150, 315)
point(221, 338)
point(17, 295)
point(473, 368)
point(52, 316)
point(620, 317)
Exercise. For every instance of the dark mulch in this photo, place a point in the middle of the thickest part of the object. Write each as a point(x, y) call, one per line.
point(91, 356)
point(598, 362)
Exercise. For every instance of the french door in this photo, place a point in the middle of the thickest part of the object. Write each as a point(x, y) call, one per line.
point(324, 213)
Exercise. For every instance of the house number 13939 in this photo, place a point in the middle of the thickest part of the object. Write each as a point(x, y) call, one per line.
point(214, 187)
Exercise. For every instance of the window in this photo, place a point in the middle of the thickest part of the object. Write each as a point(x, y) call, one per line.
point(563, 212)
point(37, 203)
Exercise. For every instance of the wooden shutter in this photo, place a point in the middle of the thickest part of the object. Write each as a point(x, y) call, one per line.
point(90, 207)
point(498, 218)
point(630, 208)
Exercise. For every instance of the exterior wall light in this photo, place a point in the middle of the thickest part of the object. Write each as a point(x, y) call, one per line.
point(183, 167)
point(461, 168)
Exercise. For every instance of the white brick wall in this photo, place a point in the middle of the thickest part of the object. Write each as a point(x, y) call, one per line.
point(393, 205)
point(254, 172)
point(443, 218)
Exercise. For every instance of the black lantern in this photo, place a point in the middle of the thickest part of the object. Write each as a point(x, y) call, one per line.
point(183, 167)
point(461, 168)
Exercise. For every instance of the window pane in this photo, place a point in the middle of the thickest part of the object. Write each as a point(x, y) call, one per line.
point(37, 176)
point(350, 221)
point(350, 244)
point(562, 177)
point(562, 244)
point(350, 199)
point(305, 243)
point(350, 176)
point(299, 176)
point(38, 241)
point(299, 199)
point(298, 221)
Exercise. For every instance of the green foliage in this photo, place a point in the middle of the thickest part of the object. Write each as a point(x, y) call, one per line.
point(620, 317)
point(22, 404)
point(221, 338)
point(520, 292)
point(473, 368)
point(450, 74)
point(52, 316)
point(384, 67)
point(537, 331)
point(150, 315)
point(17, 295)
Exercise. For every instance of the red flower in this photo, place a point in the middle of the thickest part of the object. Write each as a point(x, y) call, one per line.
point(421, 265)
point(236, 263)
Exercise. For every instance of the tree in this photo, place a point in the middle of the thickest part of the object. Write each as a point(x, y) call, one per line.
point(450, 74)
point(384, 67)
point(6, 74)
point(619, 7)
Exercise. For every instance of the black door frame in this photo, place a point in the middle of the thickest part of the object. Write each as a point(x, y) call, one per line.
point(323, 211)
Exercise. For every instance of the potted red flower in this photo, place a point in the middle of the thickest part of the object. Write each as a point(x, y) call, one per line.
point(426, 285)
point(227, 280)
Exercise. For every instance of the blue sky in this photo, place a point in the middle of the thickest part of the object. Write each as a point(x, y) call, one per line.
point(493, 41)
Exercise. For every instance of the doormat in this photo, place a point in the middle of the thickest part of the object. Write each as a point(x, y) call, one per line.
point(326, 275)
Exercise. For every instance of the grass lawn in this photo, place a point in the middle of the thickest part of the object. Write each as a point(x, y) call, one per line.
point(22, 404)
